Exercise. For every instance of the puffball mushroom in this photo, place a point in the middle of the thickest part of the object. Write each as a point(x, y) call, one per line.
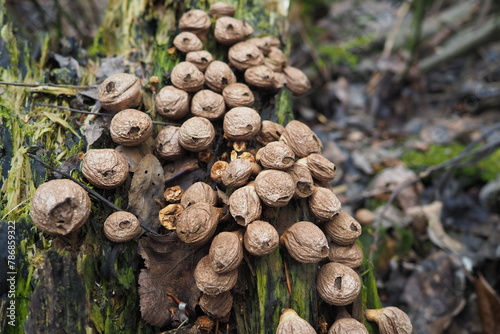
point(60, 207)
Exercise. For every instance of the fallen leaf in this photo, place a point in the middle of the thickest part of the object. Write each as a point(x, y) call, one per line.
point(435, 293)
point(146, 192)
point(92, 132)
point(170, 265)
point(436, 232)
point(489, 306)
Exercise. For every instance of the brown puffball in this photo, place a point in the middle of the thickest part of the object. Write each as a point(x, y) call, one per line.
point(209, 281)
point(241, 123)
point(301, 139)
point(351, 255)
point(172, 103)
point(261, 238)
point(208, 104)
point(343, 229)
point(260, 76)
point(275, 59)
point(131, 127)
point(244, 55)
point(167, 144)
point(322, 169)
point(291, 323)
point(304, 183)
point(195, 21)
point(305, 242)
point(218, 75)
point(197, 223)
point(60, 207)
point(244, 205)
point(187, 76)
point(217, 306)
point(196, 134)
point(276, 155)
point(120, 91)
point(226, 252)
point(105, 168)
point(200, 59)
point(338, 284)
point(296, 81)
point(187, 41)
point(323, 203)
point(122, 226)
point(390, 320)
point(347, 325)
point(237, 173)
point(229, 30)
point(199, 192)
point(269, 132)
point(274, 187)
point(238, 95)
point(220, 9)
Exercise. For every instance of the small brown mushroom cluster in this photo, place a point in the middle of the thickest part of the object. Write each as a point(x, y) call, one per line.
point(269, 166)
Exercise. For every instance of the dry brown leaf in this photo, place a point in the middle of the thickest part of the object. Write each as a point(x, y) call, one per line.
point(146, 192)
point(489, 306)
point(169, 269)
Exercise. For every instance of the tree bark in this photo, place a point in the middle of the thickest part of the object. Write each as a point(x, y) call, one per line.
point(84, 283)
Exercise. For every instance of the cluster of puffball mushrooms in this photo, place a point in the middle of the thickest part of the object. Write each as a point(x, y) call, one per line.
point(268, 166)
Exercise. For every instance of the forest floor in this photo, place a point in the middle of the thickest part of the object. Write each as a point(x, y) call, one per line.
point(406, 101)
point(414, 129)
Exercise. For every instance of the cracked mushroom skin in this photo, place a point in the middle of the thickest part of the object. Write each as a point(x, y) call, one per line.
point(390, 320)
point(105, 168)
point(167, 144)
point(241, 123)
point(238, 95)
point(261, 238)
point(323, 203)
point(187, 76)
point(275, 187)
point(301, 139)
point(343, 229)
point(226, 252)
point(347, 325)
point(172, 103)
point(218, 75)
point(120, 91)
point(208, 104)
point(338, 284)
point(200, 59)
point(305, 242)
point(197, 223)
point(291, 323)
point(244, 205)
point(196, 134)
point(209, 281)
point(229, 30)
point(122, 226)
point(199, 192)
point(131, 127)
point(187, 42)
point(276, 155)
point(60, 207)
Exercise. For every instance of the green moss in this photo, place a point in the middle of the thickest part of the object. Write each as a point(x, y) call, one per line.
point(369, 293)
point(485, 170)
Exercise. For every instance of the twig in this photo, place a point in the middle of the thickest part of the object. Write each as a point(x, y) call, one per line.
point(464, 41)
point(89, 190)
point(454, 162)
point(90, 112)
point(38, 85)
